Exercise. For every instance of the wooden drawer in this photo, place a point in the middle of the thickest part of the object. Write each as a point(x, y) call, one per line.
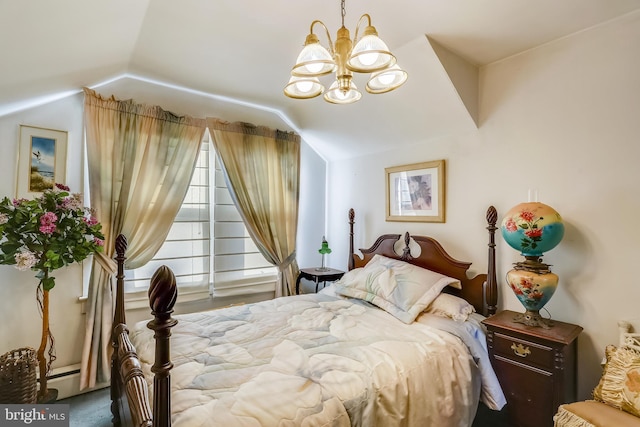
point(529, 392)
point(523, 351)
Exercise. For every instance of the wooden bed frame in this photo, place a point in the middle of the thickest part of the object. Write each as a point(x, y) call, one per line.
point(130, 404)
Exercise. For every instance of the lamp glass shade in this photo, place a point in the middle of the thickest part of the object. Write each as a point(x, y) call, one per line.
point(370, 54)
point(324, 249)
point(386, 80)
point(532, 228)
point(303, 87)
point(313, 61)
point(336, 95)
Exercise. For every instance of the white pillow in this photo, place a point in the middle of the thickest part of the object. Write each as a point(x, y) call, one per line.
point(451, 306)
point(401, 289)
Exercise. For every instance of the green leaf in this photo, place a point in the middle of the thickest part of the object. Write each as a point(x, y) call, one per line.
point(48, 283)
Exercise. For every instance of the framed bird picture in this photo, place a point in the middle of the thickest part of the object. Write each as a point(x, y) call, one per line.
point(42, 160)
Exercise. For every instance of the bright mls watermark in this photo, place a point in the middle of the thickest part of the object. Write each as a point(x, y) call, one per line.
point(53, 415)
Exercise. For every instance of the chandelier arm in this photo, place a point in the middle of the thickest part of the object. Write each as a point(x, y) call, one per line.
point(355, 36)
point(326, 30)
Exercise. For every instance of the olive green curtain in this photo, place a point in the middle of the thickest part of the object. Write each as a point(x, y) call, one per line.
point(262, 169)
point(141, 159)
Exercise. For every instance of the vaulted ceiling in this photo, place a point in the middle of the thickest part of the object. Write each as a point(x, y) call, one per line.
point(243, 51)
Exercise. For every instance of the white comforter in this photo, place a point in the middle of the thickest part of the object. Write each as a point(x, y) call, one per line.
point(316, 360)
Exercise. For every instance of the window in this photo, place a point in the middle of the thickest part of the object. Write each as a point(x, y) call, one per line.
point(208, 251)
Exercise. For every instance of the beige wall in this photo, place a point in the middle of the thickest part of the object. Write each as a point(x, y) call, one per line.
point(564, 119)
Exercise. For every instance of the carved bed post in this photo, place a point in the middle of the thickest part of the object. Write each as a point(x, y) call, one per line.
point(492, 282)
point(129, 392)
point(351, 263)
point(118, 318)
point(162, 297)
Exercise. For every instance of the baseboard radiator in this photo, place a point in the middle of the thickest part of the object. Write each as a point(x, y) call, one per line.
point(67, 380)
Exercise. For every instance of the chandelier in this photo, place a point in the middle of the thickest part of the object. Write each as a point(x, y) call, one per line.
point(369, 54)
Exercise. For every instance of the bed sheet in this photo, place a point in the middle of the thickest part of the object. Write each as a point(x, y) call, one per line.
point(314, 360)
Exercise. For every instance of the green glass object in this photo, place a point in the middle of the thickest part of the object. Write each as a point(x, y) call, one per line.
point(324, 250)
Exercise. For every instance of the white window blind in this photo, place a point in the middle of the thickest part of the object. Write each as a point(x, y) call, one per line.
point(239, 266)
point(221, 258)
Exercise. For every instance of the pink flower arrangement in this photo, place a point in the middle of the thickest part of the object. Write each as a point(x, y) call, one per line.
point(48, 232)
point(48, 223)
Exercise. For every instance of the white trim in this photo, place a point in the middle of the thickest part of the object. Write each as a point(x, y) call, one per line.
point(137, 300)
point(240, 291)
point(68, 384)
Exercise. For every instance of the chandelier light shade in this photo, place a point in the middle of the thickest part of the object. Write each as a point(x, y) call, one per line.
point(368, 54)
point(303, 87)
point(532, 228)
point(314, 60)
point(386, 80)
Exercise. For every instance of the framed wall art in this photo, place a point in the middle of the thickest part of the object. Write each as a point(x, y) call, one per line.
point(416, 192)
point(42, 160)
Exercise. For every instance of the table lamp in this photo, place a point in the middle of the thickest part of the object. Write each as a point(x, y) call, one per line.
point(532, 228)
point(324, 250)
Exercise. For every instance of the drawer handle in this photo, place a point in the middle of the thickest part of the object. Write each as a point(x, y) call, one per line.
point(520, 350)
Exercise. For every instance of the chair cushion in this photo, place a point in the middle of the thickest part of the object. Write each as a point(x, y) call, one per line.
point(590, 413)
point(619, 385)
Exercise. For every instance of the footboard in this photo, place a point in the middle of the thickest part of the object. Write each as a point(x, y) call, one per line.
point(130, 404)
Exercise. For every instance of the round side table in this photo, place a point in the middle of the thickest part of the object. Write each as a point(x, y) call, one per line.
point(317, 275)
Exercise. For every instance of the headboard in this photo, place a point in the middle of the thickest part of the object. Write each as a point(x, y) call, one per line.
point(480, 291)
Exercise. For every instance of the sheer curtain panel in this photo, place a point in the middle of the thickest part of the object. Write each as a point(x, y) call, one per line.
point(262, 167)
point(141, 159)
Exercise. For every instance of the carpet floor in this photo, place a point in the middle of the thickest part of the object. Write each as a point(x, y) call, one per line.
point(92, 409)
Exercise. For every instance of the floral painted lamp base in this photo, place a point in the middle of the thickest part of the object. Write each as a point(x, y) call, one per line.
point(533, 284)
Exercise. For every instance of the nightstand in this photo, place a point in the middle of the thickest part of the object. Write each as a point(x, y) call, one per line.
point(536, 367)
point(317, 275)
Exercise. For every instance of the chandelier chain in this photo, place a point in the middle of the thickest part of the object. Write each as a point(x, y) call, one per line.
point(343, 10)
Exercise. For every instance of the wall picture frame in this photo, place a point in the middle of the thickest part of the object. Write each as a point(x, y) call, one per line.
point(416, 192)
point(42, 160)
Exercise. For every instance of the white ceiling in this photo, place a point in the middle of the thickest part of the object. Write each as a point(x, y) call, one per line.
point(244, 49)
